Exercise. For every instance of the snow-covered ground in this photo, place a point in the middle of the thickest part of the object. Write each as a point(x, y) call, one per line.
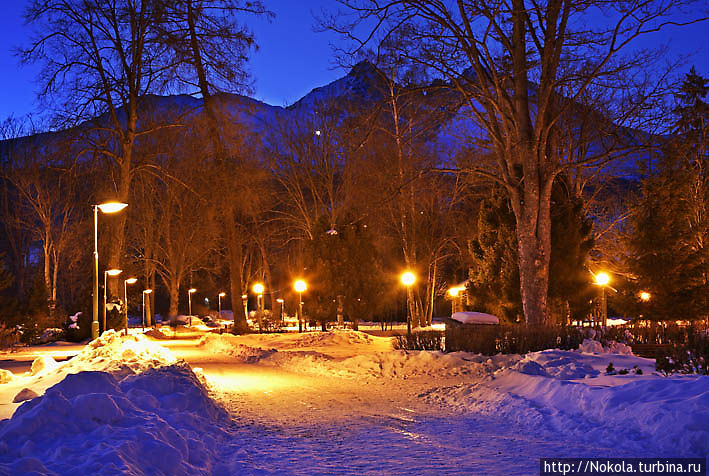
point(338, 402)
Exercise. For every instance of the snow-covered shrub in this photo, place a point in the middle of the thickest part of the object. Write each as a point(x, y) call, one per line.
point(692, 358)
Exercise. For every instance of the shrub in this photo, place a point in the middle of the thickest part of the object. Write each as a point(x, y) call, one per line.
point(510, 339)
point(690, 358)
point(424, 340)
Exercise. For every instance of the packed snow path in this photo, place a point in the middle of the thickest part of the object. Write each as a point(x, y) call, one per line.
point(339, 402)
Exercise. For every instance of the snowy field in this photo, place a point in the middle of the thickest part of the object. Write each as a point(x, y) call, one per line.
point(342, 402)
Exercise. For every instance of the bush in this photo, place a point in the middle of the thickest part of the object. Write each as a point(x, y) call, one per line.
point(424, 340)
point(686, 359)
point(510, 339)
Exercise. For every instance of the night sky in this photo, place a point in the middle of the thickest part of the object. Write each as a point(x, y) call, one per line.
point(292, 59)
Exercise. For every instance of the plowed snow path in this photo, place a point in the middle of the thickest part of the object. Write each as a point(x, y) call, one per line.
point(296, 424)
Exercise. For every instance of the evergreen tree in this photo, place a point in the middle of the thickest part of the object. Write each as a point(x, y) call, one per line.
point(342, 261)
point(670, 226)
point(494, 277)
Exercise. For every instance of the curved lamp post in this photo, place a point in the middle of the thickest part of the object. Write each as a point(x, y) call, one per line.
point(300, 287)
point(219, 297)
point(108, 207)
point(108, 272)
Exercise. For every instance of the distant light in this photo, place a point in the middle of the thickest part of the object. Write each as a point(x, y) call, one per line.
point(147, 291)
point(408, 278)
point(279, 300)
point(602, 278)
point(258, 288)
point(453, 292)
point(332, 231)
point(131, 280)
point(317, 132)
point(222, 294)
point(191, 290)
point(645, 296)
point(113, 272)
point(300, 286)
point(244, 296)
point(112, 207)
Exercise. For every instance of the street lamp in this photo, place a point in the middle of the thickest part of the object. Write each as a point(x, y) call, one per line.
point(145, 291)
point(108, 272)
point(454, 294)
point(602, 280)
point(300, 286)
point(219, 298)
point(108, 207)
point(258, 289)
point(189, 303)
point(645, 296)
point(408, 279)
point(126, 282)
point(280, 301)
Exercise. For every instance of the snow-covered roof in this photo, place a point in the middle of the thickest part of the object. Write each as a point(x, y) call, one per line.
point(468, 317)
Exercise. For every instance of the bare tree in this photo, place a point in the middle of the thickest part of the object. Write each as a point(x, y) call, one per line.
point(519, 68)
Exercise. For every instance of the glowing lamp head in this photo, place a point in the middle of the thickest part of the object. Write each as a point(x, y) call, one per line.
point(258, 288)
point(131, 280)
point(279, 300)
point(408, 278)
point(113, 272)
point(112, 207)
point(192, 290)
point(300, 286)
point(645, 296)
point(602, 278)
point(147, 291)
point(453, 292)
point(222, 294)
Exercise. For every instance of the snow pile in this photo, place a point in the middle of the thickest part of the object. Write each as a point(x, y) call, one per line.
point(591, 346)
point(467, 317)
point(561, 391)
point(43, 365)
point(158, 422)
point(316, 354)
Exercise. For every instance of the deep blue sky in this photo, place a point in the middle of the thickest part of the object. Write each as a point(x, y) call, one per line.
point(292, 59)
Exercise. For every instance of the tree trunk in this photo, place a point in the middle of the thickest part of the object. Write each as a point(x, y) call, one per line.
point(174, 299)
point(234, 253)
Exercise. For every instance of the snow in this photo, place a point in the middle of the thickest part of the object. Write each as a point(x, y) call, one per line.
point(339, 402)
point(467, 317)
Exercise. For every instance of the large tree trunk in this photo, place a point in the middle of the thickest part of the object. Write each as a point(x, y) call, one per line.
point(174, 299)
point(534, 247)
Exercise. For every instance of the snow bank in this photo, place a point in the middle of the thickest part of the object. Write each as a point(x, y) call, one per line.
point(158, 422)
point(315, 353)
point(562, 391)
point(591, 346)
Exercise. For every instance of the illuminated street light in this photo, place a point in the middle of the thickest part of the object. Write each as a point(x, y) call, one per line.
point(408, 279)
point(300, 287)
point(189, 303)
point(602, 280)
point(126, 282)
point(220, 296)
point(454, 294)
point(145, 291)
point(280, 301)
point(645, 296)
point(108, 207)
point(112, 273)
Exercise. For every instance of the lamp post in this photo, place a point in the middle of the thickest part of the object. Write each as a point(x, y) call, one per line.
point(145, 291)
point(408, 279)
point(300, 286)
point(258, 289)
point(219, 298)
point(602, 280)
point(454, 294)
point(108, 272)
point(280, 301)
point(126, 282)
point(108, 207)
point(245, 302)
point(189, 303)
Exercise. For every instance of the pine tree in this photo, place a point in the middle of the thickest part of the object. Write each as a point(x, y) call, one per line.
point(670, 226)
point(494, 277)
